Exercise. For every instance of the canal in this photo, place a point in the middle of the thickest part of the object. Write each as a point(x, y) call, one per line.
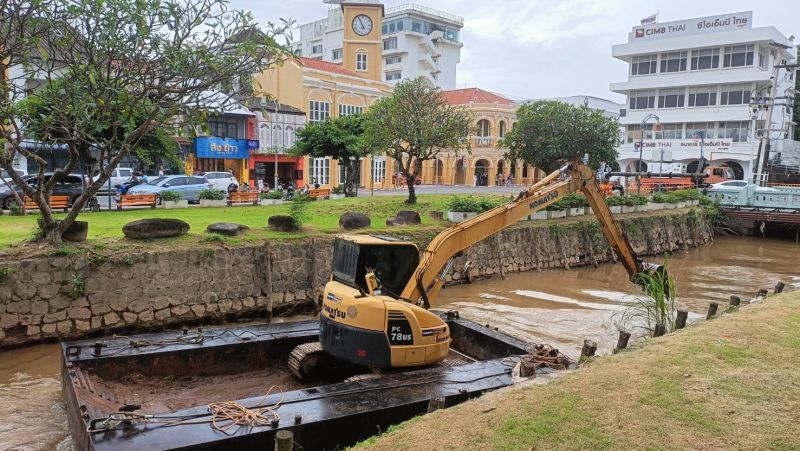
point(559, 307)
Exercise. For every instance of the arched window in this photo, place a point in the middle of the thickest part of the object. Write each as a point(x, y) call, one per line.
point(288, 136)
point(502, 132)
point(265, 137)
point(277, 137)
point(483, 128)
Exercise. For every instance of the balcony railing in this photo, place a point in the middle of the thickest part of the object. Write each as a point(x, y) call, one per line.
point(483, 141)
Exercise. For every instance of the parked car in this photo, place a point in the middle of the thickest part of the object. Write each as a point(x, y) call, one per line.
point(223, 181)
point(188, 186)
point(118, 177)
point(5, 176)
point(71, 185)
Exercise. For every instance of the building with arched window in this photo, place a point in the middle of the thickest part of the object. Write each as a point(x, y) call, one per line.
point(322, 90)
point(493, 116)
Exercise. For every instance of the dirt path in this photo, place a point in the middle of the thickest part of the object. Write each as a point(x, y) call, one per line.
point(729, 383)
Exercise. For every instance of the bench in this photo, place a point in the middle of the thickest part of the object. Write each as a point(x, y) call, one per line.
point(323, 193)
point(137, 200)
point(56, 202)
point(240, 198)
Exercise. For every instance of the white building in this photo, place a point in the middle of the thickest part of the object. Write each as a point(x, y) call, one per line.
point(708, 80)
point(417, 42)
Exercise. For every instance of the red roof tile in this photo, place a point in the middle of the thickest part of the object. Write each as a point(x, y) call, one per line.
point(326, 66)
point(473, 95)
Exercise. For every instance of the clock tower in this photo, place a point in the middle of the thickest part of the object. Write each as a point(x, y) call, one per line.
point(362, 45)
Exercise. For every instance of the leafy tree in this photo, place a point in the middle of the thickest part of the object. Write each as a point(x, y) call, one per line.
point(126, 70)
point(341, 139)
point(415, 124)
point(42, 113)
point(548, 132)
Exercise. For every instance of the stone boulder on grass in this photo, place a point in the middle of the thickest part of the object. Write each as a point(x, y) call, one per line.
point(282, 223)
point(145, 229)
point(353, 220)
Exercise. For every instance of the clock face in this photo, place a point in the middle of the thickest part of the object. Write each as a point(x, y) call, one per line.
point(362, 25)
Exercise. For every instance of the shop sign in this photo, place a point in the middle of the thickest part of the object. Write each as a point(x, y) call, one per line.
point(710, 24)
point(686, 144)
point(213, 147)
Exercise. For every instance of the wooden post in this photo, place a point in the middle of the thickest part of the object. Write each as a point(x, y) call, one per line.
point(712, 310)
point(284, 440)
point(735, 301)
point(435, 404)
point(779, 287)
point(680, 319)
point(589, 348)
point(659, 330)
point(622, 341)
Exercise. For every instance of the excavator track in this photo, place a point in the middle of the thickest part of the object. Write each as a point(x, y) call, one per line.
point(305, 360)
point(310, 363)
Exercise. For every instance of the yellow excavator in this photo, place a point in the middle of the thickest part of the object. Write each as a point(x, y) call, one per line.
point(375, 308)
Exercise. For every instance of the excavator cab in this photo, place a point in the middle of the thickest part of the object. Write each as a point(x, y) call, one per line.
point(363, 318)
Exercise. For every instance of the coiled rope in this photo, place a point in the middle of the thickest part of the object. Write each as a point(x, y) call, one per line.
point(238, 415)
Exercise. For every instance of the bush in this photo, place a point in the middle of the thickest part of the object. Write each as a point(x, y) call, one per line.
point(686, 194)
point(212, 194)
point(472, 204)
point(615, 201)
point(297, 210)
point(659, 198)
point(273, 195)
point(171, 196)
point(339, 189)
point(572, 200)
point(629, 200)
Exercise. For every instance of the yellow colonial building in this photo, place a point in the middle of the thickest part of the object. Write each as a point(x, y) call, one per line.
point(493, 115)
point(324, 90)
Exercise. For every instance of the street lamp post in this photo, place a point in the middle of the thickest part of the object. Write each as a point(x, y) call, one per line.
point(641, 147)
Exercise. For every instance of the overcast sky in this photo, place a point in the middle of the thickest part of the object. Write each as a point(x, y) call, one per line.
point(538, 48)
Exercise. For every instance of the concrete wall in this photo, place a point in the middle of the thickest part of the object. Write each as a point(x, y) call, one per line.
point(89, 294)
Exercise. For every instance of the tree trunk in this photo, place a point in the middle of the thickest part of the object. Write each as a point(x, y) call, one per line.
point(410, 179)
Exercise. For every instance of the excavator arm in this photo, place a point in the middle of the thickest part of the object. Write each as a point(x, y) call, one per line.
point(437, 259)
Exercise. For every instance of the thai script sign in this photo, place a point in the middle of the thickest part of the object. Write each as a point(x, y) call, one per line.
point(711, 24)
point(213, 147)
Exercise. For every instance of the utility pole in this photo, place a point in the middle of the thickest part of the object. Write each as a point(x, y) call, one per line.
point(764, 146)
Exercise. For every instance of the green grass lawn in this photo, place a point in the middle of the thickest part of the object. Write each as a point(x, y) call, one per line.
point(106, 227)
point(729, 383)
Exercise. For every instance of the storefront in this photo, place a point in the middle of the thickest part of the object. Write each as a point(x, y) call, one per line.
point(214, 154)
point(262, 170)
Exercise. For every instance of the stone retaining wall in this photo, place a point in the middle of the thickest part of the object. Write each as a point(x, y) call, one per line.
point(67, 296)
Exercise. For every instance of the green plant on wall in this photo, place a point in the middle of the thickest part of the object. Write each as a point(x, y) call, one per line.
point(77, 286)
point(5, 272)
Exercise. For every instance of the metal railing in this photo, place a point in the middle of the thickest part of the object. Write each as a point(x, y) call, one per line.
point(483, 140)
point(424, 9)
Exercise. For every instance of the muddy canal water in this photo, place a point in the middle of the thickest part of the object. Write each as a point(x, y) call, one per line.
point(559, 307)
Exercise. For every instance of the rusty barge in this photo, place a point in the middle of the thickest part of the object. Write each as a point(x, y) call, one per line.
point(158, 391)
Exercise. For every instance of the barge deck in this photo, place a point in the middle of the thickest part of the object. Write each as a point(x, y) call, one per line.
point(154, 391)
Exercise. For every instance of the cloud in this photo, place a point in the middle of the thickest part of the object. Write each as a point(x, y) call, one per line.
point(532, 22)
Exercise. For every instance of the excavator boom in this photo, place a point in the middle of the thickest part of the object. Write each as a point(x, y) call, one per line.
point(436, 260)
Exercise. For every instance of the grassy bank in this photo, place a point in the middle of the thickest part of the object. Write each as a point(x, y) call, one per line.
point(106, 226)
point(729, 383)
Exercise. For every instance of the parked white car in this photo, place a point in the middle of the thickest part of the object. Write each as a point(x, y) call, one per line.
point(118, 177)
point(222, 181)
